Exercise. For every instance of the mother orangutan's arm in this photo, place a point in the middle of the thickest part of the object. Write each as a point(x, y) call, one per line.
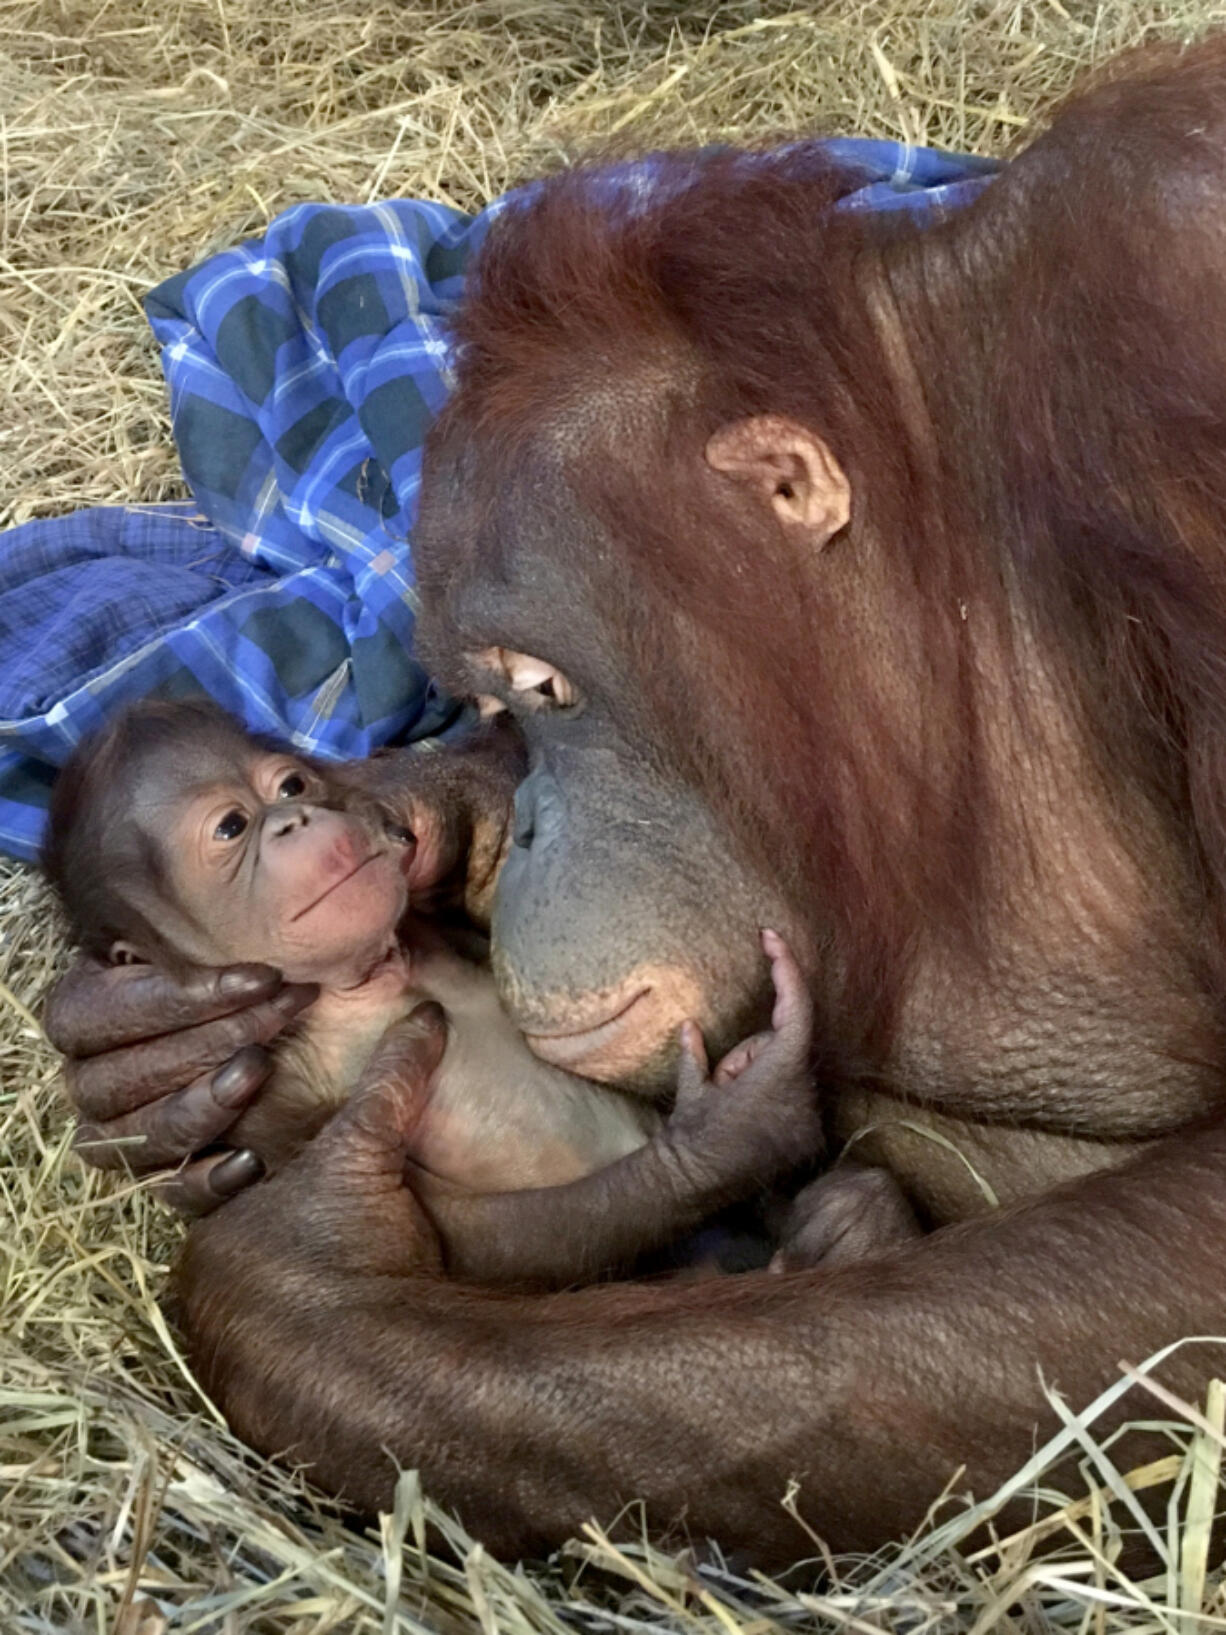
point(318, 1316)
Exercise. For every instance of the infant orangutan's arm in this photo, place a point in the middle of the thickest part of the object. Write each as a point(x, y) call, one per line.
point(755, 1119)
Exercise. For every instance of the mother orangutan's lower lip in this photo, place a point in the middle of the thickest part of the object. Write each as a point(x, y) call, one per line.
point(565, 1048)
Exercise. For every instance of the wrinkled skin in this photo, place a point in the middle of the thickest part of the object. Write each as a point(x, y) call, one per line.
point(623, 907)
point(976, 721)
point(261, 865)
point(176, 834)
point(610, 874)
point(161, 1067)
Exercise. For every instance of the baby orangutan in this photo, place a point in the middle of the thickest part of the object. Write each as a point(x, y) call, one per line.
point(176, 837)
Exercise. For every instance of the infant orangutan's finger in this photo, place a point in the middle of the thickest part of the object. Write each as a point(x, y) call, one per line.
point(740, 1057)
point(370, 1137)
point(96, 1007)
point(692, 1068)
point(198, 1189)
point(173, 1128)
point(792, 1017)
point(107, 1087)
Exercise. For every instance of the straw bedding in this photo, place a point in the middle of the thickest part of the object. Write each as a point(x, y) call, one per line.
point(135, 136)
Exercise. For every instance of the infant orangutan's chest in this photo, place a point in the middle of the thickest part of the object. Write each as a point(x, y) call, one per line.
point(493, 1118)
point(342, 1029)
point(317, 1067)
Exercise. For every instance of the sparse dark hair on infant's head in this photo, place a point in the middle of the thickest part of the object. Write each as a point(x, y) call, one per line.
point(99, 858)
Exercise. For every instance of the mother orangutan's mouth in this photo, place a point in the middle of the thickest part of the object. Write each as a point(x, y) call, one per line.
point(566, 1049)
point(421, 866)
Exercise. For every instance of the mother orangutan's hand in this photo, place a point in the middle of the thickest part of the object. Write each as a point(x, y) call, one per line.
point(158, 1068)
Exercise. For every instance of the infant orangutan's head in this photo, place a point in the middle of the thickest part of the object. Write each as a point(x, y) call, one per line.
point(174, 835)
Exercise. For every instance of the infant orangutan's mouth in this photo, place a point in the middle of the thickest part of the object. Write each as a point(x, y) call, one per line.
point(335, 886)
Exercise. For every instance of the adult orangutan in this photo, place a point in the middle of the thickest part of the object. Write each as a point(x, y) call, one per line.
point(868, 582)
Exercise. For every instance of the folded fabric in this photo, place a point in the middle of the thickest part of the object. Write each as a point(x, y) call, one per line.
point(304, 369)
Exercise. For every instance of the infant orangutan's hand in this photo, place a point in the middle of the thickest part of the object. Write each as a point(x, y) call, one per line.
point(343, 1204)
point(756, 1117)
point(852, 1213)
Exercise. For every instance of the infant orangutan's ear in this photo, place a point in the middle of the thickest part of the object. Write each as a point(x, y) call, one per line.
point(125, 953)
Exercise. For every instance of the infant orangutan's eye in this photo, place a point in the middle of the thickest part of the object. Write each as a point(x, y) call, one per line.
point(291, 787)
point(231, 826)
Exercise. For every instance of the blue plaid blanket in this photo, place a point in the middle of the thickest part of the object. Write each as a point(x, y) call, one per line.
point(304, 369)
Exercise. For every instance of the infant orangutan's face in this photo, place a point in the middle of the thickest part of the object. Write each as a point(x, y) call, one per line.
point(257, 865)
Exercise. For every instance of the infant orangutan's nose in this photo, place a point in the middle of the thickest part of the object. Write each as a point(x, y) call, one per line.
point(284, 822)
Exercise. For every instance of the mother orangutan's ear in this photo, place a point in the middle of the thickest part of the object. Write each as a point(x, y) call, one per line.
point(792, 469)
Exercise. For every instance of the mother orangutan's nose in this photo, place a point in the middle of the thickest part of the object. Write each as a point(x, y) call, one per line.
point(523, 825)
point(538, 813)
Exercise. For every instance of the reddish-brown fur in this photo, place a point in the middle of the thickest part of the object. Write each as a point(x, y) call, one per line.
point(1114, 540)
point(980, 745)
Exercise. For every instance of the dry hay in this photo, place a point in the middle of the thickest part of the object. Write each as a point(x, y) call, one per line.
point(135, 135)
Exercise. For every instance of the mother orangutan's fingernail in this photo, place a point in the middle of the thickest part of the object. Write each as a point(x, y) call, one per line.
point(243, 980)
point(241, 1077)
point(296, 996)
point(235, 1173)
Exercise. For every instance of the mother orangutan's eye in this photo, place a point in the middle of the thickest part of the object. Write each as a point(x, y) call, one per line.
point(231, 826)
point(554, 688)
point(533, 682)
point(291, 787)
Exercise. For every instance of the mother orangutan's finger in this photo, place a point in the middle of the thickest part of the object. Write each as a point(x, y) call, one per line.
point(96, 1007)
point(198, 1189)
point(173, 1128)
point(105, 1088)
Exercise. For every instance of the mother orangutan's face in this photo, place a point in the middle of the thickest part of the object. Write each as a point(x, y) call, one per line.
point(622, 908)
